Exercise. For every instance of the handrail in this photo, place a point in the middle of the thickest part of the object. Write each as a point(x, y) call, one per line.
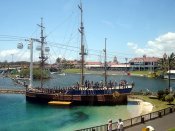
point(135, 120)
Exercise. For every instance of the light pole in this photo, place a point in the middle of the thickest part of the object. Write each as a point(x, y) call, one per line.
point(12, 60)
point(12, 57)
point(31, 64)
point(126, 59)
point(169, 68)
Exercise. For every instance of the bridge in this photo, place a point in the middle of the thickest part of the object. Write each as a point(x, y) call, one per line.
point(12, 91)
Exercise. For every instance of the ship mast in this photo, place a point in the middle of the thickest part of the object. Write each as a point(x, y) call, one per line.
point(42, 57)
point(105, 64)
point(82, 53)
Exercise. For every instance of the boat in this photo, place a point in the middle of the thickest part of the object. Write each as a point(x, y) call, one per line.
point(83, 93)
point(170, 75)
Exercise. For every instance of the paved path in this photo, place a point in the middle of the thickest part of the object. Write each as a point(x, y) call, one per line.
point(160, 124)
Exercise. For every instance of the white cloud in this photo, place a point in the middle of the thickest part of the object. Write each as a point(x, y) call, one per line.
point(14, 55)
point(157, 47)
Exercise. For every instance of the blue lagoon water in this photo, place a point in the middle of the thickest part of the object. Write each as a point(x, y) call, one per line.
point(17, 114)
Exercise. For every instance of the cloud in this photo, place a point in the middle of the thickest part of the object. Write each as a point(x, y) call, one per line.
point(5, 53)
point(14, 55)
point(157, 47)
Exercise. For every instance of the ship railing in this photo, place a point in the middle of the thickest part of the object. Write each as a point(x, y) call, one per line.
point(134, 121)
point(82, 91)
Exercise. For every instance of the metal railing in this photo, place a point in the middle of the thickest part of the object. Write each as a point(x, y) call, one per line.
point(133, 121)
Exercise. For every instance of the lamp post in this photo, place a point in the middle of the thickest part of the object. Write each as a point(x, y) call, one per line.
point(126, 59)
point(169, 68)
point(31, 64)
point(12, 57)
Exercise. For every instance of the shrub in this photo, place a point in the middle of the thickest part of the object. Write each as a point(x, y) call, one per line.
point(163, 97)
point(169, 98)
point(174, 94)
point(160, 94)
point(167, 91)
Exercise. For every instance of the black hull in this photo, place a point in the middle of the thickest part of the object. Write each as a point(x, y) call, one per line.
point(105, 99)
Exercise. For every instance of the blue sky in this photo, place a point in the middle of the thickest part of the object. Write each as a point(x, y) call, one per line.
point(132, 27)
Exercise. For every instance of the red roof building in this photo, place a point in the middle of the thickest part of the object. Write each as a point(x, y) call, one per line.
point(144, 63)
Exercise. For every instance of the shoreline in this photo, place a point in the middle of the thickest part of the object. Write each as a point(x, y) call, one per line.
point(144, 106)
point(157, 104)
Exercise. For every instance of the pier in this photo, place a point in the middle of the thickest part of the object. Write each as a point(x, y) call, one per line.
point(12, 91)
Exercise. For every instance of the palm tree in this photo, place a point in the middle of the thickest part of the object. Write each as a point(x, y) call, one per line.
point(171, 61)
point(163, 64)
point(166, 64)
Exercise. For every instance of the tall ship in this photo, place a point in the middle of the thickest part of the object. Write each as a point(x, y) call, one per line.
point(84, 93)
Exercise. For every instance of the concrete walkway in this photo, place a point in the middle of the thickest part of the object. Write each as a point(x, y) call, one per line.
point(160, 124)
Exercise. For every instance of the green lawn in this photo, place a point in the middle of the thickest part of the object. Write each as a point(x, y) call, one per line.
point(172, 129)
point(72, 71)
point(158, 105)
point(140, 72)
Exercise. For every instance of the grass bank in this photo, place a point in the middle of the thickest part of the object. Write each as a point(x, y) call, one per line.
point(157, 104)
point(72, 70)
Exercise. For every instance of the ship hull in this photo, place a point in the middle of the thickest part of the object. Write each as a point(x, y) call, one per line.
point(82, 97)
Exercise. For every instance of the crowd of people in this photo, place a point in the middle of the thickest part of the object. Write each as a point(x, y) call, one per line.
point(101, 84)
point(119, 126)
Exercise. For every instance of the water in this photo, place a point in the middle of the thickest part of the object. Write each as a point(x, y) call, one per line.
point(17, 114)
point(141, 83)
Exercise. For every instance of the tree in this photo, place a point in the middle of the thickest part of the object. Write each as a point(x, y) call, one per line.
point(160, 94)
point(58, 60)
point(171, 61)
point(167, 63)
point(169, 98)
point(162, 63)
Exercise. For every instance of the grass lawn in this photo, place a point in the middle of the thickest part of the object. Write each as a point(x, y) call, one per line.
point(158, 104)
point(172, 129)
point(72, 71)
point(140, 72)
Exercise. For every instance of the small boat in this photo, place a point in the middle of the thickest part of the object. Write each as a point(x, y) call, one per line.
point(170, 75)
point(62, 74)
point(59, 103)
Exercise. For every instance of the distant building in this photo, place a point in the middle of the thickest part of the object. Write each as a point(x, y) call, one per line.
point(118, 66)
point(94, 65)
point(115, 60)
point(144, 63)
point(110, 66)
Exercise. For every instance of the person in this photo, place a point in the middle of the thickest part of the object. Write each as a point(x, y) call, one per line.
point(120, 125)
point(117, 126)
point(110, 125)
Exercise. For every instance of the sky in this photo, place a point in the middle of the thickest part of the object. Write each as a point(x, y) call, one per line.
point(133, 28)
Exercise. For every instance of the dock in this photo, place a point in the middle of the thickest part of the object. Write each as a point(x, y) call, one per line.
point(12, 91)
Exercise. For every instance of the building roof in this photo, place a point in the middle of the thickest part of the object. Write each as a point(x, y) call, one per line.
point(93, 63)
point(109, 64)
point(145, 59)
point(120, 65)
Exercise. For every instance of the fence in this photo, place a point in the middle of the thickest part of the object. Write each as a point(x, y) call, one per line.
point(134, 121)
